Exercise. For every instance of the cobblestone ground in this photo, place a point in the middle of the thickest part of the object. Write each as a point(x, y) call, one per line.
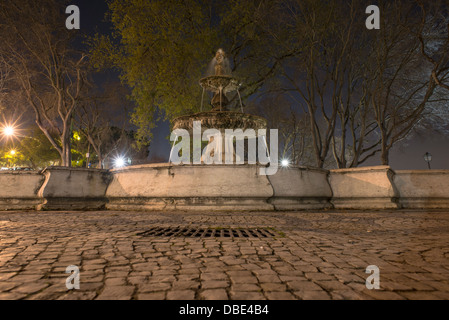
point(314, 255)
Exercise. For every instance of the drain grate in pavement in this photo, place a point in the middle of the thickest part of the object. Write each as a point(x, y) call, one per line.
point(206, 232)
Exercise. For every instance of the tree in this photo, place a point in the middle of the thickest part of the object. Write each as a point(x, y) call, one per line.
point(362, 90)
point(160, 47)
point(37, 150)
point(50, 73)
point(163, 47)
point(321, 74)
point(403, 82)
point(102, 119)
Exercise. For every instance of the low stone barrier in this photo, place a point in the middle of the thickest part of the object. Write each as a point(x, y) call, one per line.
point(299, 188)
point(217, 187)
point(73, 189)
point(19, 189)
point(363, 188)
point(424, 189)
point(189, 187)
point(222, 187)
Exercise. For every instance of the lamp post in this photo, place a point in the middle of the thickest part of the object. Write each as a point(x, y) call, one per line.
point(428, 158)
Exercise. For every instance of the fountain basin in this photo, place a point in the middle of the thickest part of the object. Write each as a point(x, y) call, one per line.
point(221, 120)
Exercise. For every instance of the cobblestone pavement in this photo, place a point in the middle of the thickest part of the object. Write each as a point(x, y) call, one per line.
point(313, 255)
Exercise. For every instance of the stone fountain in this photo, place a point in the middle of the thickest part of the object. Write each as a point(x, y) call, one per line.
point(234, 185)
point(220, 117)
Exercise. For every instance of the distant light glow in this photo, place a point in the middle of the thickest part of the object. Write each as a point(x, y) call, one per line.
point(8, 130)
point(119, 162)
point(12, 152)
point(285, 163)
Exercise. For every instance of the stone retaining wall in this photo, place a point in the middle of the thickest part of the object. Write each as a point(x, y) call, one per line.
point(73, 189)
point(422, 188)
point(184, 187)
point(363, 188)
point(19, 190)
point(222, 187)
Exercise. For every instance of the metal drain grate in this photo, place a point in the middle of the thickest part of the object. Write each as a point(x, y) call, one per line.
point(206, 232)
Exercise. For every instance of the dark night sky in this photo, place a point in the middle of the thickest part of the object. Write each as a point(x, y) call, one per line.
point(405, 156)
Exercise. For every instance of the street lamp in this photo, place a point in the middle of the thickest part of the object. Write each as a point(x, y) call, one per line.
point(119, 162)
point(285, 163)
point(428, 158)
point(8, 131)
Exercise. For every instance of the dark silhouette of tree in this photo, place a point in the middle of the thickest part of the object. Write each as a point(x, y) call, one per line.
point(49, 72)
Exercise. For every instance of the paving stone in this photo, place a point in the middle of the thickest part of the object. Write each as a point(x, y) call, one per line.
point(152, 296)
point(419, 295)
point(323, 255)
point(280, 295)
point(245, 287)
point(115, 281)
point(273, 287)
point(12, 295)
point(214, 284)
point(182, 285)
point(116, 293)
point(214, 294)
point(312, 295)
point(269, 279)
point(7, 285)
point(181, 295)
point(250, 295)
point(383, 295)
point(247, 279)
point(214, 276)
point(29, 288)
point(79, 296)
point(303, 286)
point(153, 287)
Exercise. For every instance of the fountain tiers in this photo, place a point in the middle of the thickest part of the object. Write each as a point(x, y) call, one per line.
point(219, 117)
point(221, 120)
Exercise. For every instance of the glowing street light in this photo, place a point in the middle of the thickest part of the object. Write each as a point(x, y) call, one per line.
point(285, 163)
point(119, 162)
point(12, 152)
point(8, 131)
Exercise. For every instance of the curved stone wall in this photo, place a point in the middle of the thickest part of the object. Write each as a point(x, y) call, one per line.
point(222, 187)
point(297, 188)
point(19, 189)
point(196, 187)
point(422, 188)
point(217, 187)
point(73, 189)
point(363, 188)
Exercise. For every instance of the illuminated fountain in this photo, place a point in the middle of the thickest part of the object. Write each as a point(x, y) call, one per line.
point(233, 181)
point(220, 117)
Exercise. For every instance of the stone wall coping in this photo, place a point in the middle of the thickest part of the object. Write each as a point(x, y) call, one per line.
point(362, 169)
point(171, 165)
point(423, 172)
point(58, 168)
point(19, 172)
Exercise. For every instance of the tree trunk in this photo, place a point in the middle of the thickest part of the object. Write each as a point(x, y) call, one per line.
point(66, 156)
point(385, 154)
